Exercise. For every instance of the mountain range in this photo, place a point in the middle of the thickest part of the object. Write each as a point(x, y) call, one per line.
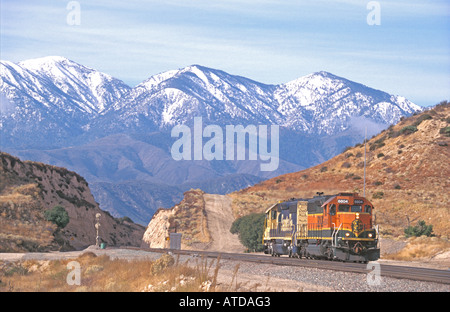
point(60, 112)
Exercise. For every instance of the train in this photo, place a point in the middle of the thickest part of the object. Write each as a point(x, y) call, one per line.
point(333, 227)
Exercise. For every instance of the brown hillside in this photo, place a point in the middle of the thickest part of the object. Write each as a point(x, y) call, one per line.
point(28, 189)
point(407, 175)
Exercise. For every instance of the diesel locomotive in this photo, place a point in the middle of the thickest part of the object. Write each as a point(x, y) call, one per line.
point(333, 227)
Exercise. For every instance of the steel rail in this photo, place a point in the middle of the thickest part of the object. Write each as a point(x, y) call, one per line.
point(395, 271)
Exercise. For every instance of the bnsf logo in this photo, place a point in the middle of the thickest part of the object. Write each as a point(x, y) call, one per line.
point(343, 201)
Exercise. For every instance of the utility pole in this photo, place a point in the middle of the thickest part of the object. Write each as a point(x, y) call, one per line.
point(365, 142)
point(97, 226)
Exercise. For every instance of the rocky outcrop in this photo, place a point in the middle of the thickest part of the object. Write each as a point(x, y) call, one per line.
point(28, 189)
point(187, 217)
point(158, 229)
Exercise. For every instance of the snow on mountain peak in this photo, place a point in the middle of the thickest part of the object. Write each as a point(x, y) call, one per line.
point(317, 103)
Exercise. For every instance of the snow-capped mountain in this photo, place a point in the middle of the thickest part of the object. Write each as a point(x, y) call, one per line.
point(177, 96)
point(323, 103)
point(319, 103)
point(52, 100)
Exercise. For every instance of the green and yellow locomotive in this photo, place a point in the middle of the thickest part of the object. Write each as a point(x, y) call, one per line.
point(334, 227)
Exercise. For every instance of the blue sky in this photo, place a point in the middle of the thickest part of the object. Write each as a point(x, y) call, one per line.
point(271, 41)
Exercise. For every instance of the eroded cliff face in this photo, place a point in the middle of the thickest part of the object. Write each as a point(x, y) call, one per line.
point(187, 217)
point(158, 229)
point(28, 189)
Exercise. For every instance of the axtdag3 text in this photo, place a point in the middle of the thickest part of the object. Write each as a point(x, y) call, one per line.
point(238, 301)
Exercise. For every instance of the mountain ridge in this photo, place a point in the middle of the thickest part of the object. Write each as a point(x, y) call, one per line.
point(72, 101)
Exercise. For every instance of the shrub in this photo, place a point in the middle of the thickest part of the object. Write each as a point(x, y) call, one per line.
point(162, 263)
point(420, 229)
point(378, 195)
point(250, 229)
point(378, 143)
point(58, 215)
point(445, 131)
point(408, 130)
point(380, 155)
point(422, 118)
point(346, 149)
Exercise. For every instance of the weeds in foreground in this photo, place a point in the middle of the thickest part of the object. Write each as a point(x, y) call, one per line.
point(103, 274)
point(421, 248)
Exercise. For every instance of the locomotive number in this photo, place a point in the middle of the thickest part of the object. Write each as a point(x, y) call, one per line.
point(343, 201)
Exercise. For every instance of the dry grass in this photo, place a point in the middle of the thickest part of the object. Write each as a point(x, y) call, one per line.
point(97, 274)
point(421, 248)
point(102, 274)
point(22, 226)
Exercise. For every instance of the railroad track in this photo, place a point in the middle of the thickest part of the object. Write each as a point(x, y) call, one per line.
point(402, 272)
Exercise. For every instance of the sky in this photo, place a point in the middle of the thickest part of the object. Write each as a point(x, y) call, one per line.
point(401, 47)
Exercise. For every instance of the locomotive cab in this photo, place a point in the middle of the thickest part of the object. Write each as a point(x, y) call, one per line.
point(350, 213)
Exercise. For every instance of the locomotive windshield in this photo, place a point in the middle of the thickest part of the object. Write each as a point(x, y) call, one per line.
point(344, 208)
point(356, 208)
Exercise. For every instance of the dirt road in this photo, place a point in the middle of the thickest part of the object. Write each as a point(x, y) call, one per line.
point(220, 218)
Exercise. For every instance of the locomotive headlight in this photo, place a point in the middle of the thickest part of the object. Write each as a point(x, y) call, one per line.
point(370, 235)
point(357, 215)
point(347, 234)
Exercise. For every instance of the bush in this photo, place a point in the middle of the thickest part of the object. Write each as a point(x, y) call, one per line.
point(420, 229)
point(408, 130)
point(250, 229)
point(378, 195)
point(58, 215)
point(422, 118)
point(162, 263)
point(346, 149)
point(445, 131)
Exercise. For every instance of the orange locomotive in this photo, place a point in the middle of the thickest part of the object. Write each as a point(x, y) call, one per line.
point(335, 227)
